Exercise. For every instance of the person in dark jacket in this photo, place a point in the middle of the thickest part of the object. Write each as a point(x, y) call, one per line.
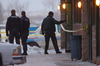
point(48, 28)
point(13, 27)
point(25, 24)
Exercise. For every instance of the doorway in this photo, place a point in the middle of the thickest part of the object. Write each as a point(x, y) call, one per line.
point(69, 26)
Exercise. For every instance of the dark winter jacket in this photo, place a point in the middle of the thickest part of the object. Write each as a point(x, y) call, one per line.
point(25, 24)
point(13, 22)
point(49, 24)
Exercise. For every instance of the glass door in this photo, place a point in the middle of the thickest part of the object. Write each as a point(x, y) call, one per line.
point(69, 25)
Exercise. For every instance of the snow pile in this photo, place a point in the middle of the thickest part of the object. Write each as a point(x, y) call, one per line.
point(38, 50)
point(35, 49)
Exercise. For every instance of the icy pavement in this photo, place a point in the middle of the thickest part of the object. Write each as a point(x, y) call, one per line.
point(36, 57)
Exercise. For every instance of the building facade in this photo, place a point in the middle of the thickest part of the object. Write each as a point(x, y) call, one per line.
point(86, 18)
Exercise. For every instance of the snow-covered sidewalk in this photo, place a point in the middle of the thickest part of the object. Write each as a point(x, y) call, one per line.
point(36, 57)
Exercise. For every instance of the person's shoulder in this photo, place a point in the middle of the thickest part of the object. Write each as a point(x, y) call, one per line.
point(44, 18)
point(27, 18)
point(47, 17)
point(9, 17)
point(51, 18)
point(17, 17)
point(14, 16)
point(21, 18)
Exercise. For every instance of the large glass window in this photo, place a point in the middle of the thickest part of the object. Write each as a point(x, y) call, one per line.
point(97, 9)
point(98, 30)
point(93, 12)
point(77, 12)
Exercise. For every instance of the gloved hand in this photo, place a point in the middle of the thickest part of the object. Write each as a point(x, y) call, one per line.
point(65, 20)
point(20, 34)
point(42, 33)
point(6, 34)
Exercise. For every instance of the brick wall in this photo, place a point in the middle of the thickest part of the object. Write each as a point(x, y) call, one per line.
point(76, 26)
point(95, 59)
point(85, 36)
point(63, 33)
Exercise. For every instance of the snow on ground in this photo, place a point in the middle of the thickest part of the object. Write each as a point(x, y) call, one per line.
point(36, 57)
point(34, 52)
point(37, 50)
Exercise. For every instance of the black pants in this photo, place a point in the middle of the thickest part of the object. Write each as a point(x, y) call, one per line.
point(14, 33)
point(24, 37)
point(50, 34)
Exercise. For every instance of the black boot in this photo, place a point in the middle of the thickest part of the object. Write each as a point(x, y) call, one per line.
point(46, 53)
point(58, 52)
point(24, 53)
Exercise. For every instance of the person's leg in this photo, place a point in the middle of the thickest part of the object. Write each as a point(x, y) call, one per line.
point(54, 40)
point(11, 37)
point(47, 37)
point(24, 43)
point(17, 40)
point(17, 37)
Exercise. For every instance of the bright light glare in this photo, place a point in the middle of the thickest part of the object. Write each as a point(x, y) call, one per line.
point(64, 6)
point(58, 7)
point(79, 4)
point(97, 2)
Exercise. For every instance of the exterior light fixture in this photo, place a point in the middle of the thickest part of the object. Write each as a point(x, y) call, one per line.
point(79, 4)
point(64, 6)
point(97, 2)
point(58, 7)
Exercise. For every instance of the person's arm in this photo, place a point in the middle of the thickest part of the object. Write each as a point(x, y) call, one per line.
point(7, 27)
point(42, 28)
point(29, 24)
point(20, 25)
point(58, 22)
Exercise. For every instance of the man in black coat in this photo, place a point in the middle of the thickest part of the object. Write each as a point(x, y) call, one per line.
point(48, 28)
point(13, 27)
point(25, 24)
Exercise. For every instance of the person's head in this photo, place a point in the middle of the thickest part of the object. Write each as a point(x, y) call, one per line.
point(23, 13)
point(51, 13)
point(13, 11)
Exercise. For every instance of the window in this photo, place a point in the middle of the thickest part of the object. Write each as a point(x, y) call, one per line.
point(93, 12)
point(77, 12)
point(97, 23)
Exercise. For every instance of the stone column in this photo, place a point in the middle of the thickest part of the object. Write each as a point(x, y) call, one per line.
point(63, 33)
point(85, 35)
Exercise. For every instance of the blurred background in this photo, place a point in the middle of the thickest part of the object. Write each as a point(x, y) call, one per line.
point(36, 10)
